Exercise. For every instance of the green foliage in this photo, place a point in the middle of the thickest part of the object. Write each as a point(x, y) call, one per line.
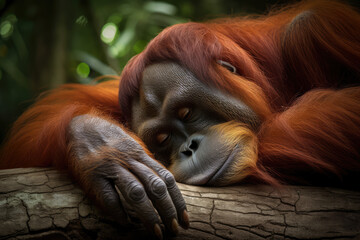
point(84, 39)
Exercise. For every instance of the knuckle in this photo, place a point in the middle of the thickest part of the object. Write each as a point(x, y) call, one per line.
point(168, 178)
point(135, 192)
point(158, 188)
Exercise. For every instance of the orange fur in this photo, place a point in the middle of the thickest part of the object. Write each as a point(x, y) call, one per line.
point(234, 133)
point(319, 134)
point(38, 137)
point(280, 59)
point(256, 47)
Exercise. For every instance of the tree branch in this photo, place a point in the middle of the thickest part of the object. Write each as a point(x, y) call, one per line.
point(44, 203)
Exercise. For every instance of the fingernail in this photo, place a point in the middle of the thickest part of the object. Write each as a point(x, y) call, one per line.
point(157, 231)
point(175, 226)
point(185, 218)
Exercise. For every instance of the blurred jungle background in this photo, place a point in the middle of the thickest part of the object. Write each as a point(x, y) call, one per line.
point(46, 43)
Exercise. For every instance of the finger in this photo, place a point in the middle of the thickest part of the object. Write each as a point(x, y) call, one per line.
point(129, 210)
point(157, 191)
point(134, 193)
point(176, 197)
point(173, 189)
point(106, 195)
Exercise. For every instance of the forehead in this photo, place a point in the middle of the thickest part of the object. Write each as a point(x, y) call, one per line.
point(161, 77)
point(162, 86)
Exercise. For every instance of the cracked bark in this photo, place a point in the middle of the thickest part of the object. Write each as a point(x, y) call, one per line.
point(44, 203)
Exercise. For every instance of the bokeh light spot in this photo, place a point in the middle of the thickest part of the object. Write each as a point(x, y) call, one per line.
point(108, 32)
point(83, 70)
point(6, 29)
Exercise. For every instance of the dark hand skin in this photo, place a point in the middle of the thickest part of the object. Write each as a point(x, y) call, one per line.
point(173, 114)
point(110, 158)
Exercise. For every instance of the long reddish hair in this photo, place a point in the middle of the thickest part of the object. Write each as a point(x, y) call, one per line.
point(279, 57)
point(257, 47)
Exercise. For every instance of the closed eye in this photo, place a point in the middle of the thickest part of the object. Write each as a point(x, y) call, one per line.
point(184, 113)
point(162, 138)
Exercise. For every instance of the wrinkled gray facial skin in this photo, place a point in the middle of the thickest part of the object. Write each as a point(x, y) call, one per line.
point(196, 154)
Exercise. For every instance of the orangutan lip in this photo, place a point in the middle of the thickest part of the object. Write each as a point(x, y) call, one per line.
point(220, 171)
